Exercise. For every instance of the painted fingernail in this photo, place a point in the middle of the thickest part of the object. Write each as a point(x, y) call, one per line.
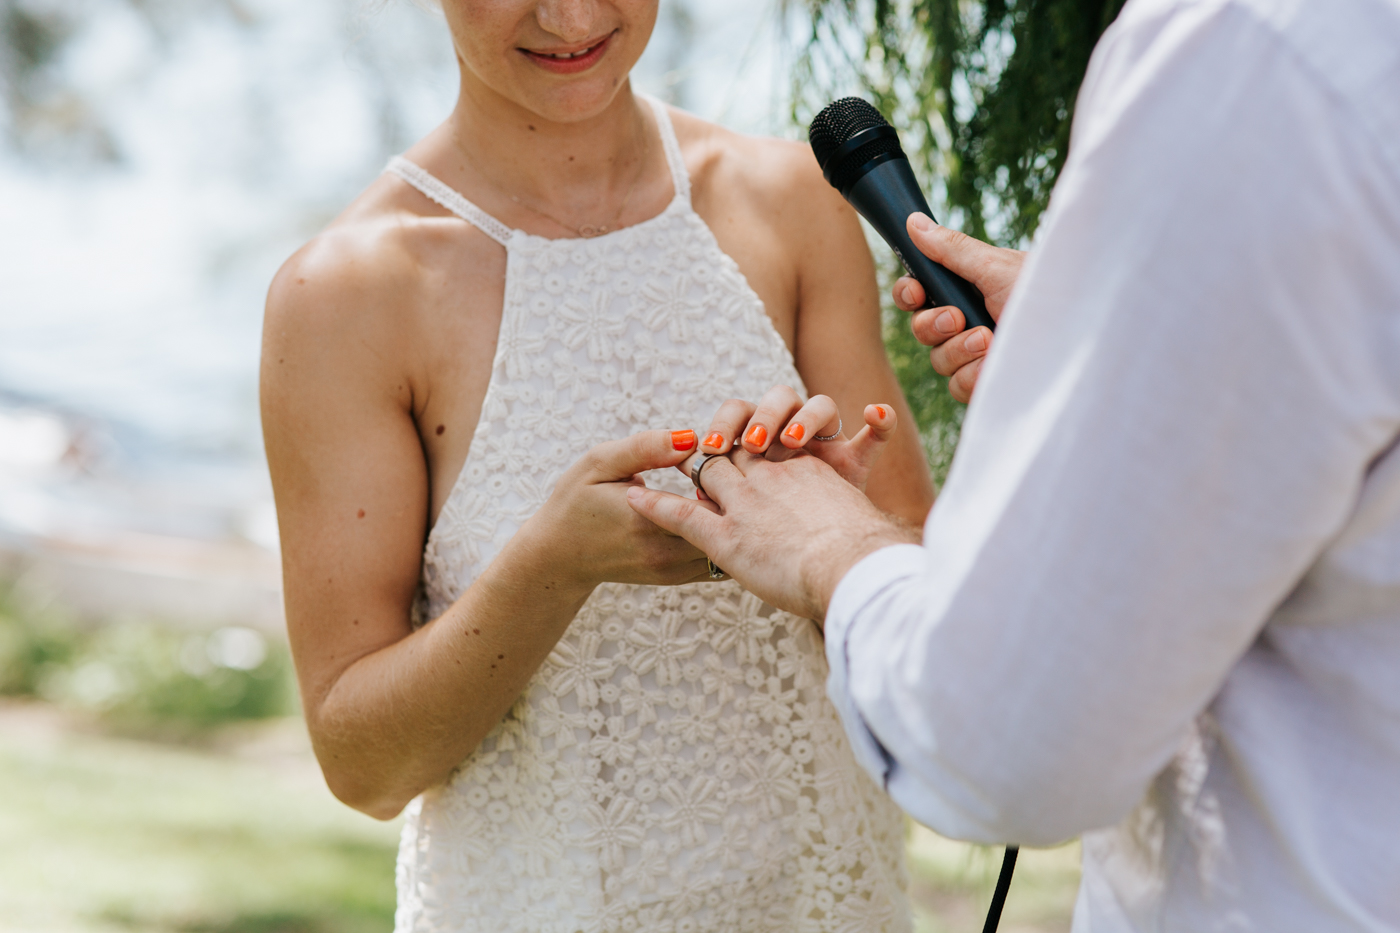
point(880, 410)
point(976, 341)
point(946, 323)
point(715, 440)
point(757, 435)
point(795, 431)
point(682, 440)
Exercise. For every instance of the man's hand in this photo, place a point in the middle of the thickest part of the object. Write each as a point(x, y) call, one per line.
point(957, 353)
point(787, 531)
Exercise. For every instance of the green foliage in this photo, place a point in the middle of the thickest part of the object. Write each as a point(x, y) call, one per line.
point(938, 416)
point(144, 676)
point(34, 643)
point(141, 675)
point(983, 93)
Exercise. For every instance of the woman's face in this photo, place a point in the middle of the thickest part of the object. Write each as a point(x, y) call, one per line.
point(561, 59)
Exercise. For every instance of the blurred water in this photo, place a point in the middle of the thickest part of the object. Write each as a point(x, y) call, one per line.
point(131, 290)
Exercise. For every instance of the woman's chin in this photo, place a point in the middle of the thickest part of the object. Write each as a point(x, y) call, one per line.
point(574, 100)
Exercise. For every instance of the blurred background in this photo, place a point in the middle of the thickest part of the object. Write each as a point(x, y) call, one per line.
point(159, 159)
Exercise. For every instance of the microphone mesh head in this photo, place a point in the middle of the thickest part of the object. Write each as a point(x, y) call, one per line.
point(838, 122)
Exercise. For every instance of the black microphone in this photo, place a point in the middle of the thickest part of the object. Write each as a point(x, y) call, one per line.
point(860, 155)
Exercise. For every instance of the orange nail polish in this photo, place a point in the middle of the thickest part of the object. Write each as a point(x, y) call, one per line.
point(795, 431)
point(682, 440)
point(757, 435)
point(715, 440)
point(880, 410)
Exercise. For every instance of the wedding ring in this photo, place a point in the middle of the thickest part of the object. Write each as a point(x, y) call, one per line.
point(695, 469)
point(715, 572)
point(834, 434)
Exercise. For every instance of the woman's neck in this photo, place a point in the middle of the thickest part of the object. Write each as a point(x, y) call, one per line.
point(575, 171)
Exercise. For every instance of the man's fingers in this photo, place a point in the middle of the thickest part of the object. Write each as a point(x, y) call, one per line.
point(956, 251)
point(933, 326)
point(612, 461)
point(908, 294)
point(685, 517)
point(718, 474)
point(952, 355)
point(962, 382)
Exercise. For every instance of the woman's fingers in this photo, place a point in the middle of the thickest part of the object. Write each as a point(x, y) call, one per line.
point(819, 416)
point(955, 354)
point(621, 460)
point(728, 423)
point(869, 443)
point(774, 409)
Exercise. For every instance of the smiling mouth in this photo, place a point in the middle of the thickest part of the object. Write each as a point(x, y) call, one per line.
point(570, 62)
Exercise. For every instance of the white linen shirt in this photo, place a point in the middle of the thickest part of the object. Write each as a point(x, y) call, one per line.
point(1158, 602)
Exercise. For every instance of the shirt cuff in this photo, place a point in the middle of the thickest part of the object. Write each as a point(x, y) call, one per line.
point(861, 586)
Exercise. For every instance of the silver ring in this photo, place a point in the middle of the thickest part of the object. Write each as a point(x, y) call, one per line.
point(715, 572)
point(699, 465)
point(834, 434)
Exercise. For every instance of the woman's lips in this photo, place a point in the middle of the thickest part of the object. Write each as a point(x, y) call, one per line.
point(581, 60)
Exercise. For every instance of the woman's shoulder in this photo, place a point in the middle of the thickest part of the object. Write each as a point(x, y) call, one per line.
point(376, 261)
point(778, 177)
point(717, 155)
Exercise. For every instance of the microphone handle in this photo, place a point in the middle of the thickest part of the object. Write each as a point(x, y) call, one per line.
point(886, 195)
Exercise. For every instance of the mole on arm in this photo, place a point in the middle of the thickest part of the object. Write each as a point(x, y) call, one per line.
point(440, 429)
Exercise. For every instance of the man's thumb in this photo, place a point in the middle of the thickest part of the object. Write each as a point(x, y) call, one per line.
point(649, 450)
point(951, 249)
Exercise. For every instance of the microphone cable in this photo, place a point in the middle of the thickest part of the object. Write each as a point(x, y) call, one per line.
point(1008, 865)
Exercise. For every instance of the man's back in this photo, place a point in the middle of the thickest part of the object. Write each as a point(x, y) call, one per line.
point(1283, 809)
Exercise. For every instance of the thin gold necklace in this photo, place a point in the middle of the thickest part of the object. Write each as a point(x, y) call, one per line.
point(586, 231)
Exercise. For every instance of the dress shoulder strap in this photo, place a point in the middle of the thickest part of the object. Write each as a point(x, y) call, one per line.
point(679, 176)
point(435, 190)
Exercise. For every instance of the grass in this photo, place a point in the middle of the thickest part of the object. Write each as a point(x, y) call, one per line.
point(108, 835)
point(101, 834)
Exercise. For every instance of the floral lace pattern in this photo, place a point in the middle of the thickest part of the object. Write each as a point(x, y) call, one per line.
point(675, 765)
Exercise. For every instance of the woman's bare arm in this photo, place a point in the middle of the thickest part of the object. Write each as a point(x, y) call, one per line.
point(391, 711)
point(839, 347)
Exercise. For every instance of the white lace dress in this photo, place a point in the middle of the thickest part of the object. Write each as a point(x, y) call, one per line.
point(675, 765)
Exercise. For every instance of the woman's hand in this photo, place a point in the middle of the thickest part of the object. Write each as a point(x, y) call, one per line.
point(589, 533)
point(957, 353)
point(781, 425)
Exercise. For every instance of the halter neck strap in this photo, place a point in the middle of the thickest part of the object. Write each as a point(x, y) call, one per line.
point(671, 146)
point(439, 192)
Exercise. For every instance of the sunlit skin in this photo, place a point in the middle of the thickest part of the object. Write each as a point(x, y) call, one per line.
point(377, 353)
